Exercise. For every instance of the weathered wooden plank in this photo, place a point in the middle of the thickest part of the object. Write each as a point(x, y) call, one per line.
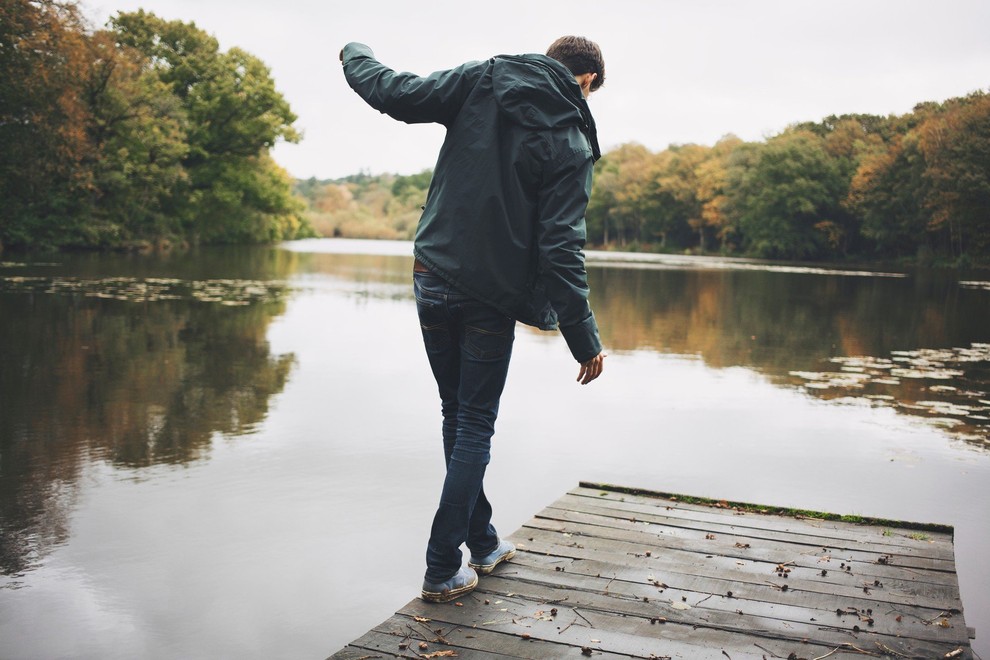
point(907, 555)
point(364, 648)
point(891, 532)
point(621, 632)
point(786, 618)
point(402, 636)
point(703, 540)
point(667, 528)
point(771, 590)
point(620, 574)
point(748, 525)
point(648, 559)
point(865, 566)
point(698, 586)
point(641, 496)
point(611, 633)
point(476, 638)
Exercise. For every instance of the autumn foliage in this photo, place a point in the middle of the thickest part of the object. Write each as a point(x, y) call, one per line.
point(138, 134)
point(859, 187)
point(853, 186)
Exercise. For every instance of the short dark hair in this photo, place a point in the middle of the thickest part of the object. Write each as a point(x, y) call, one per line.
point(581, 56)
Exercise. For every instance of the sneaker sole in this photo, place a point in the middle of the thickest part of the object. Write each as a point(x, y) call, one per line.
point(485, 569)
point(448, 594)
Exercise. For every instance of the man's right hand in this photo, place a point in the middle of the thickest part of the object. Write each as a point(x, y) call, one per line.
point(592, 369)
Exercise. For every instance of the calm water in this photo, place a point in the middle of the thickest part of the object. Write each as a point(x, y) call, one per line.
point(235, 453)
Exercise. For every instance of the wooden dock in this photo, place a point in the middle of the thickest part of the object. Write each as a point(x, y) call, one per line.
point(607, 572)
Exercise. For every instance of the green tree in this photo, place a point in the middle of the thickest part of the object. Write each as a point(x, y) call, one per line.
point(847, 139)
point(138, 130)
point(784, 194)
point(43, 120)
point(887, 193)
point(624, 198)
point(232, 191)
point(144, 132)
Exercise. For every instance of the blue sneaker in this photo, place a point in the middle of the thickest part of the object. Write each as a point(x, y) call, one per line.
point(485, 565)
point(463, 582)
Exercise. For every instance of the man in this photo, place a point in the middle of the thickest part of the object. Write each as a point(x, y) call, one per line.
point(500, 240)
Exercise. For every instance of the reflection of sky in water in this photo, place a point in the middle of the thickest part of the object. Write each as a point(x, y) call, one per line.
point(296, 536)
point(962, 407)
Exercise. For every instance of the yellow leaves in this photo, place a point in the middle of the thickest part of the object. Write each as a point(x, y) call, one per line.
point(833, 233)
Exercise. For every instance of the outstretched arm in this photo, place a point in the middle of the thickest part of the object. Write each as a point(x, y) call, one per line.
point(407, 97)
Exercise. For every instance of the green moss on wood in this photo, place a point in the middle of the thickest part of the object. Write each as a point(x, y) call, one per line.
point(772, 510)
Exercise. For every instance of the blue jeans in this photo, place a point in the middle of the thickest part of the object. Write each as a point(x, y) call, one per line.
point(469, 345)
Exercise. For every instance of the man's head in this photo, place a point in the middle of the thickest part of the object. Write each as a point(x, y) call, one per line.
point(584, 59)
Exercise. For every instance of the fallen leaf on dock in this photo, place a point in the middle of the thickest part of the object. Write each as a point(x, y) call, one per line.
point(680, 606)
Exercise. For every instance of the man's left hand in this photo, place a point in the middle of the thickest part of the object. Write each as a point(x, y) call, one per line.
point(592, 368)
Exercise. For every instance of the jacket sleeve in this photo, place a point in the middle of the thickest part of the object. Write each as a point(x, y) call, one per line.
point(405, 96)
point(561, 235)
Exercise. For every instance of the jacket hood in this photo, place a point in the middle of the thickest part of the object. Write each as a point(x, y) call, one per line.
point(539, 92)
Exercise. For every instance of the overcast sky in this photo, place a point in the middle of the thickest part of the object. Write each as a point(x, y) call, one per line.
point(678, 71)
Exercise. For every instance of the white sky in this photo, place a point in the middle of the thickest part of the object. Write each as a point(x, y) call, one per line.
point(678, 71)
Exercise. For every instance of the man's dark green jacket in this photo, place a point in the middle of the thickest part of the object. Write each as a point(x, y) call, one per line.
point(504, 216)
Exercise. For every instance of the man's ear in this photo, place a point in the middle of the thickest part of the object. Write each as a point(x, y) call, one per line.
point(585, 81)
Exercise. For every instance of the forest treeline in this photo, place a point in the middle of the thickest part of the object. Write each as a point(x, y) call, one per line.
point(141, 133)
point(145, 132)
point(914, 187)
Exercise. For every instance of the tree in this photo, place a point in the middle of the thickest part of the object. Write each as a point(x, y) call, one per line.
point(956, 148)
point(887, 193)
point(624, 196)
point(677, 184)
point(712, 177)
point(783, 195)
point(142, 133)
point(232, 191)
point(43, 119)
point(138, 128)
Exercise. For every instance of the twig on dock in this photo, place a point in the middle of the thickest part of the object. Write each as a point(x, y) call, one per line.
point(889, 651)
point(827, 654)
point(583, 617)
point(766, 650)
point(940, 615)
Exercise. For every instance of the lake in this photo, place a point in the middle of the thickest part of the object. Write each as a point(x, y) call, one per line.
point(235, 452)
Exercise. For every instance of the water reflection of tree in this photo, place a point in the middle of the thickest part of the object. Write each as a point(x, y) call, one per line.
point(134, 384)
point(782, 323)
